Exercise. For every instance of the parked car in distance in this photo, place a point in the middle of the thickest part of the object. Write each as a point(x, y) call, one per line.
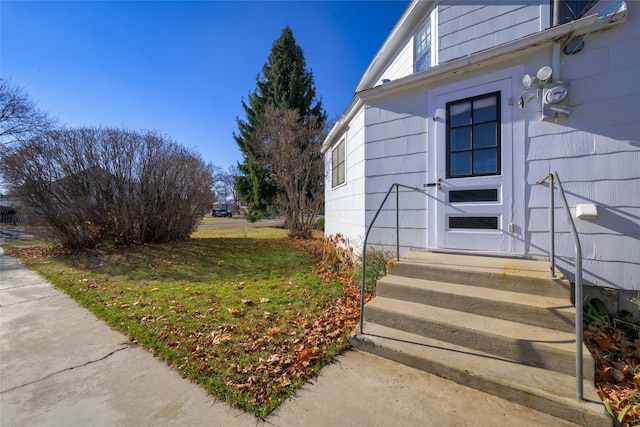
point(221, 213)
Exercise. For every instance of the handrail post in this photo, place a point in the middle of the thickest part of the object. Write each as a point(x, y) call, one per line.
point(366, 238)
point(552, 222)
point(364, 257)
point(578, 289)
point(364, 271)
point(397, 222)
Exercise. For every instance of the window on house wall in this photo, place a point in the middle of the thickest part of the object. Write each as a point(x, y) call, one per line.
point(338, 165)
point(473, 136)
point(570, 10)
point(422, 48)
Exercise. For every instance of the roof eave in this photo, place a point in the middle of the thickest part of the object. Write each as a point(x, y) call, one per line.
point(574, 29)
point(414, 12)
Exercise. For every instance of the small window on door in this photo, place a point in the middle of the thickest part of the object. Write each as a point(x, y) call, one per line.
point(473, 136)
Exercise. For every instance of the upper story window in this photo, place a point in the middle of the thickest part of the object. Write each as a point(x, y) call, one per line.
point(338, 165)
point(422, 48)
point(570, 10)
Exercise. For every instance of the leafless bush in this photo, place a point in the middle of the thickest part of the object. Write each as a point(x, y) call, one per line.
point(291, 145)
point(92, 186)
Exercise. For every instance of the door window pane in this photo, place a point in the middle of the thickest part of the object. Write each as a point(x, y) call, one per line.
point(470, 196)
point(460, 163)
point(460, 114)
point(474, 222)
point(473, 136)
point(485, 135)
point(484, 109)
point(460, 139)
point(485, 161)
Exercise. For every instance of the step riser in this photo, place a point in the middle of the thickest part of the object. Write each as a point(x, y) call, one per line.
point(491, 385)
point(506, 282)
point(531, 353)
point(501, 325)
point(535, 316)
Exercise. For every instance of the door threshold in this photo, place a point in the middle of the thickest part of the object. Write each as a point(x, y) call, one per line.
point(474, 253)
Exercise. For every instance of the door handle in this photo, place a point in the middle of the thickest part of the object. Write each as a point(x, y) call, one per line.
point(435, 184)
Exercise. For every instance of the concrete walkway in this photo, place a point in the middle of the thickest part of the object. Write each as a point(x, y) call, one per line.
point(60, 366)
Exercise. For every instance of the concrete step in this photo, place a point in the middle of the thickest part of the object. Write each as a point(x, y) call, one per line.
point(526, 344)
point(548, 312)
point(508, 274)
point(543, 390)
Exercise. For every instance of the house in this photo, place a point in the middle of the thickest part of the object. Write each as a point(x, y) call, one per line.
point(11, 211)
point(472, 124)
point(470, 105)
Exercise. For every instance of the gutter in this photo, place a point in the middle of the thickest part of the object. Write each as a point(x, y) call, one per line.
point(571, 29)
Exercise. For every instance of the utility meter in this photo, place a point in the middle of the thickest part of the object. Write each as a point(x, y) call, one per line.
point(555, 97)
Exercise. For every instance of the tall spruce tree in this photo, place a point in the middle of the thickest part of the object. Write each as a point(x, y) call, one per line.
point(285, 83)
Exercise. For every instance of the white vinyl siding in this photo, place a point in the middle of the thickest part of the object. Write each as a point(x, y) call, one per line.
point(467, 28)
point(395, 130)
point(344, 204)
point(595, 149)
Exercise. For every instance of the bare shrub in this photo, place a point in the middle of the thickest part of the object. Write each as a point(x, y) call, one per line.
point(291, 145)
point(92, 186)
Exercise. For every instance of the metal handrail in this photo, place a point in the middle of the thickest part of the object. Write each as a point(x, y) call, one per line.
point(366, 237)
point(553, 176)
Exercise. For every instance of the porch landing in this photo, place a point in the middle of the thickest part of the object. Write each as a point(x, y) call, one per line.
point(500, 325)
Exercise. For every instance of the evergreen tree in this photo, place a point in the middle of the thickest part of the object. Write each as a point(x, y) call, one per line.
point(285, 83)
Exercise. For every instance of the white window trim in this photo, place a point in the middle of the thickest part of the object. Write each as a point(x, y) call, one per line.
point(435, 45)
point(432, 19)
point(421, 27)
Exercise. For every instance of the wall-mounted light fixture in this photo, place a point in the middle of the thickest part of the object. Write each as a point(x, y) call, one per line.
point(544, 74)
point(554, 94)
point(532, 85)
point(541, 77)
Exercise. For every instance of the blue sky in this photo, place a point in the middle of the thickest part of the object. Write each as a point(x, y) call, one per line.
point(180, 67)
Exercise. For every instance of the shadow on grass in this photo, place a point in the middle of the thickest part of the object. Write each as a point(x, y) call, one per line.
point(206, 260)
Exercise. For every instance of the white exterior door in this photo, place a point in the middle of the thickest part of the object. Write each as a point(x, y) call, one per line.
point(471, 170)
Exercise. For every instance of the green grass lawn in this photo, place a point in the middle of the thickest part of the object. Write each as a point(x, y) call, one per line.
point(239, 309)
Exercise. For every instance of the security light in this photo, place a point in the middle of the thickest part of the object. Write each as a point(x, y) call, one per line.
point(544, 73)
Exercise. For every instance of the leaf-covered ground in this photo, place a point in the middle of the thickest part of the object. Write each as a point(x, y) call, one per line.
point(250, 318)
point(615, 347)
